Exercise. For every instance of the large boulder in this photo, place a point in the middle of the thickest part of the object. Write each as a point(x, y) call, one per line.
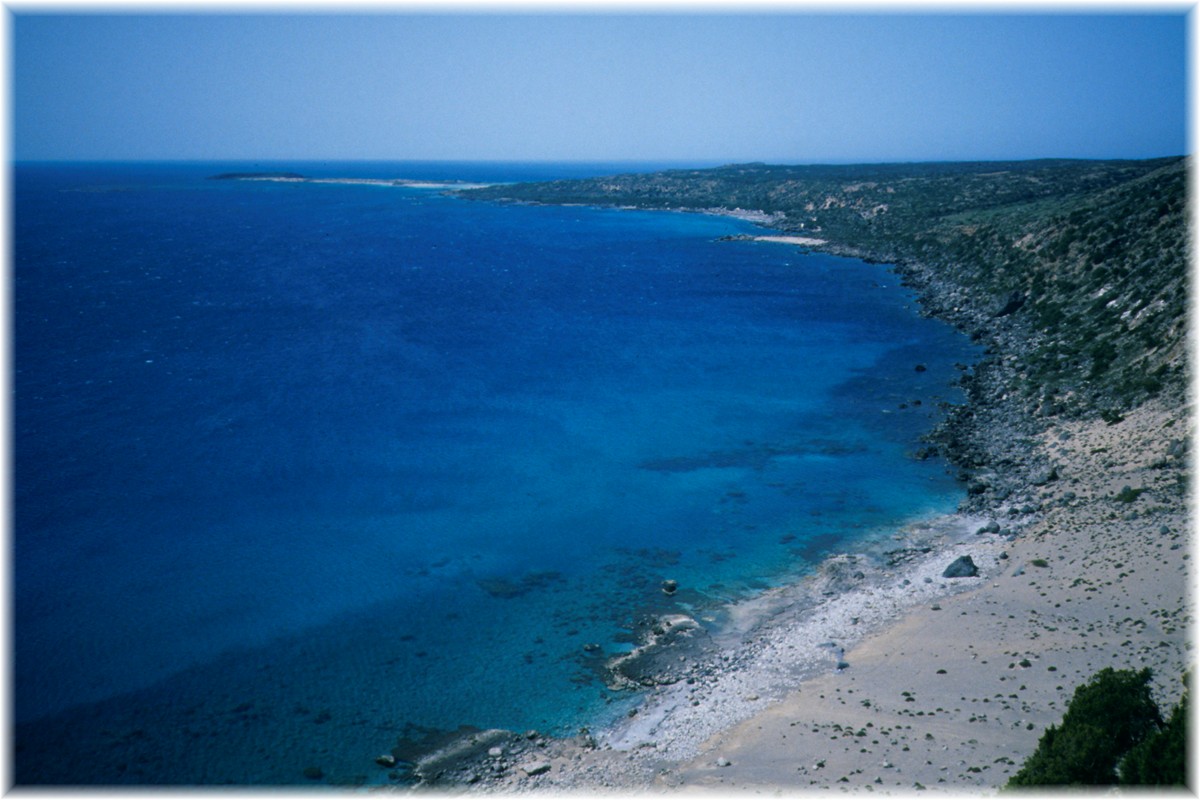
point(961, 567)
point(668, 647)
point(1012, 304)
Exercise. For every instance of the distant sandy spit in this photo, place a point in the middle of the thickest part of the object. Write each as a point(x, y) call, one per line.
point(806, 241)
point(403, 182)
point(388, 182)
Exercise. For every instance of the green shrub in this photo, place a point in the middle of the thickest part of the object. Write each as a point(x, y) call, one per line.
point(1103, 722)
point(1161, 758)
point(1112, 732)
point(1129, 494)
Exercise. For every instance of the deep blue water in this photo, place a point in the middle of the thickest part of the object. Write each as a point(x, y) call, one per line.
point(354, 459)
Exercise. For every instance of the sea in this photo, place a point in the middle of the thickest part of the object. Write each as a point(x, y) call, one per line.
point(303, 469)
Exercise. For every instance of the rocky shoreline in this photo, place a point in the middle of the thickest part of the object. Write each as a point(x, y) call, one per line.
point(703, 681)
point(1032, 496)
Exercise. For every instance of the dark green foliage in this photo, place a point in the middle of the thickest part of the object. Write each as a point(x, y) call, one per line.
point(1128, 494)
point(1103, 354)
point(1111, 417)
point(1161, 758)
point(1105, 719)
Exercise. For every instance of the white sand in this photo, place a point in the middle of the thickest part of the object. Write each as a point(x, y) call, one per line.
point(806, 241)
point(1113, 594)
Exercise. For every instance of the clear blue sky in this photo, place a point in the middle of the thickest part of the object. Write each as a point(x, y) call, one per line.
point(773, 86)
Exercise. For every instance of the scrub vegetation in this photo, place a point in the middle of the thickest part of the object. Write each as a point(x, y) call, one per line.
point(1111, 733)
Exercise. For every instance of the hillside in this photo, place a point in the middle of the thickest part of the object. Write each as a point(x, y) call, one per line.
point(1076, 270)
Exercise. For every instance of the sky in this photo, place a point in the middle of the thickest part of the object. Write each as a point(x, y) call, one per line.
point(703, 85)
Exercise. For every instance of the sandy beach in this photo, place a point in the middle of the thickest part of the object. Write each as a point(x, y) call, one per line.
point(803, 241)
point(943, 682)
point(956, 693)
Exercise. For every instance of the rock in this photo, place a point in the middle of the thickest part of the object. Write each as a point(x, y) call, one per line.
point(669, 587)
point(1044, 476)
point(386, 760)
point(1003, 556)
point(591, 647)
point(920, 368)
point(667, 645)
point(495, 752)
point(925, 453)
point(723, 762)
point(1012, 304)
point(961, 567)
point(313, 773)
point(536, 768)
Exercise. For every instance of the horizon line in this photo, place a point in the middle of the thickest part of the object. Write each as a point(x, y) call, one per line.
point(681, 161)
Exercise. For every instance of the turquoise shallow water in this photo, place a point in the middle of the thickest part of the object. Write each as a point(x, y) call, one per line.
point(299, 468)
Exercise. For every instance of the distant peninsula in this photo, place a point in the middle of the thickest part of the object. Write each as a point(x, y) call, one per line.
point(295, 177)
point(258, 176)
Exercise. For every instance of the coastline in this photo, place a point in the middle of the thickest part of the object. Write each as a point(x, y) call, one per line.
point(928, 660)
point(988, 669)
point(291, 177)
